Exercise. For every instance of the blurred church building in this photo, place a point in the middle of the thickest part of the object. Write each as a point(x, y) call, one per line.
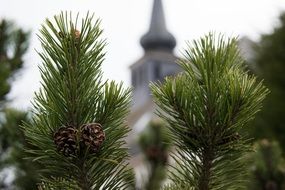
point(157, 62)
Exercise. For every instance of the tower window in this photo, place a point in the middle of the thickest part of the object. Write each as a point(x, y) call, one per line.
point(157, 72)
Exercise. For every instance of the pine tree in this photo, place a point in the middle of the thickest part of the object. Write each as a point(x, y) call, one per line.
point(13, 45)
point(12, 144)
point(155, 145)
point(268, 166)
point(269, 62)
point(78, 126)
point(206, 108)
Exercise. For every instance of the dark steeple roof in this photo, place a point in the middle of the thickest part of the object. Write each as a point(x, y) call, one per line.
point(158, 37)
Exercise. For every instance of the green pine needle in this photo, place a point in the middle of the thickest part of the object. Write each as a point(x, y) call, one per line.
point(73, 93)
point(207, 106)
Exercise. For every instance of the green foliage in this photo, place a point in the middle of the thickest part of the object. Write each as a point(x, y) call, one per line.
point(268, 167)
point(12, 144)
point(155, 145)
point(58, 183)
point(177, 186)
point(13, 45)
point(206, 107)
point(72, 94)
point(270, 65)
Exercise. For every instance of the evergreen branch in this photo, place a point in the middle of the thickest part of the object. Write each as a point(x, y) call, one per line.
point(73, 95)
point(207, 106)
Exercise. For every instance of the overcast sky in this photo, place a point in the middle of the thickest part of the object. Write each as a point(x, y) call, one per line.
point(125, 21)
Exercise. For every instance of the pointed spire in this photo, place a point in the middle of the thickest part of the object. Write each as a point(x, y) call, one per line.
point(158, 36)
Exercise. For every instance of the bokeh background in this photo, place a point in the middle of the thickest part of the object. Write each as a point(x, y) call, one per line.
point(125, 21)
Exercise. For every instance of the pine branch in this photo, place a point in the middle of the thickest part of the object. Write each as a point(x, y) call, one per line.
point(13, 45)
point(78, 126)
point(155, 145)
point(207, 106)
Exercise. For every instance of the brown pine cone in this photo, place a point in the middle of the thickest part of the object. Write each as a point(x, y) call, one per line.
point(156, 154)
point(65, 140)
point(271, 185)
point(77, 34)
point(92, 136)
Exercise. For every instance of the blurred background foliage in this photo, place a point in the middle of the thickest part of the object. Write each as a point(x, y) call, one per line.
point(12, 155)
point(13, 46)
point(267, 171)
point(269, 64)
point(16, 172)
point(269, 126)
point(155, 143)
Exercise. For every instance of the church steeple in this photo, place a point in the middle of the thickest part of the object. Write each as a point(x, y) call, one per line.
point(158, 36)
point(157, 62)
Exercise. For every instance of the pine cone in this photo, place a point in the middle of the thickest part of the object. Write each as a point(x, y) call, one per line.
point(156, 154)
point(271, 185)
point(77, 34)
point(65, 140)
point(92, 136)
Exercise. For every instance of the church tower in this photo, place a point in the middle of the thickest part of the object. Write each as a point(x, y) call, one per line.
point(157, 62)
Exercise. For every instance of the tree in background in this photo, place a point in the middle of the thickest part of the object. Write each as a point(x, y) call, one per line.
point(155, 144)
point(78, 127)
point(207, 106)
point(13, 46)
point(270, 65)
point(12, 145)
point(268, 171)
